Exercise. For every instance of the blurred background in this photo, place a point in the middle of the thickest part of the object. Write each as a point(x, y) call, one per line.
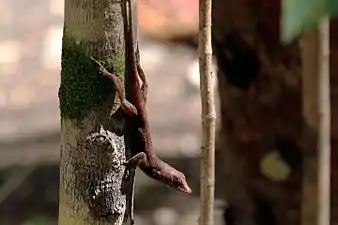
point(30, 54)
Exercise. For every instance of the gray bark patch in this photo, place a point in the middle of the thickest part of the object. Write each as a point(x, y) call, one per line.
point(99, 178)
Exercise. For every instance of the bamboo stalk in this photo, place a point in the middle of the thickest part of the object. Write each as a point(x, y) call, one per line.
point(317, 134)
point(208, 115)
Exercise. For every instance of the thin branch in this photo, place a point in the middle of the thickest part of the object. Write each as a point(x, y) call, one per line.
point(324, 135)
point(208, 114)
point(317, 134)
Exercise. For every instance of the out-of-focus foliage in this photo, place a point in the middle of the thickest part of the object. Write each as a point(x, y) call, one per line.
point(39, 220)
point(298, 15)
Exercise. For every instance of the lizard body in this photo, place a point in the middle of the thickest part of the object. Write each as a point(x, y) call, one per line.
point(133, 103)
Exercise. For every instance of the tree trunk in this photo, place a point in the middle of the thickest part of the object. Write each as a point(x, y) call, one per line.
point(258, 163)
point(259, 149)
point(89, 183)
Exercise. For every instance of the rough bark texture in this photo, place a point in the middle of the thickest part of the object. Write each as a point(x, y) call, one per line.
point(90, 173)
point(261, 114)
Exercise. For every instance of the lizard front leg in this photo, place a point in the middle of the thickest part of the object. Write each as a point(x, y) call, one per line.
point(126, 106)
point(131, 165)
point(136, 160)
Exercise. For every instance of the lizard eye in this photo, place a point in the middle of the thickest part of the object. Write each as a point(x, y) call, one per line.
point(177, 180)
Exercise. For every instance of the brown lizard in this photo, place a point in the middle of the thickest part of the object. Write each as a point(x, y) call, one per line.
point(133, 103)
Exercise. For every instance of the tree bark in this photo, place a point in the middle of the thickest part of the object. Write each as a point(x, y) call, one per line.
point(90, 171)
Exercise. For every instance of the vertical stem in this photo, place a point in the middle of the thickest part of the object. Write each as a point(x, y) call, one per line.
point(324, 130)
point(316, 113)
point(208, 114)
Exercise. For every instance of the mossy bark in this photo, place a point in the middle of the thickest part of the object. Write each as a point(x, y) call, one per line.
point(91, 28)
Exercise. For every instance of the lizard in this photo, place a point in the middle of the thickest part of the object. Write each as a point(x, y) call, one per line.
point(133, 104)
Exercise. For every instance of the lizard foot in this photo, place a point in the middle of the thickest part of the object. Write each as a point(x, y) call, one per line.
point(136, 160)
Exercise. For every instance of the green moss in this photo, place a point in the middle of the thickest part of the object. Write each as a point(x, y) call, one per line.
point(82, 84)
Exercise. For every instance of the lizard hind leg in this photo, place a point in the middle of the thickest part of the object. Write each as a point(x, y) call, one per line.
point(142, 75)
point(126, 106)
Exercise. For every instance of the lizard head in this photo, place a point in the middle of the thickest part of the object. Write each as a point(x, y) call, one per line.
point(168, 175)
point(177, 180)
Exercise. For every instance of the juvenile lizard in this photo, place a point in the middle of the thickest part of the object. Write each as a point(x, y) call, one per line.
point(133, 103)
